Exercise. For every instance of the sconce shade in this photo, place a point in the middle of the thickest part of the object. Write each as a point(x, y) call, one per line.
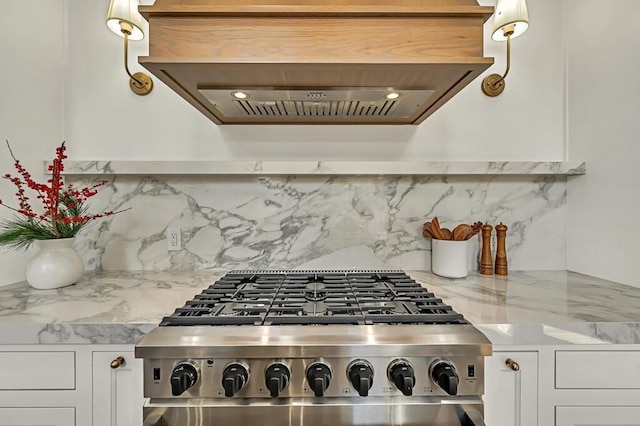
point(510, 12)
point(125, 11)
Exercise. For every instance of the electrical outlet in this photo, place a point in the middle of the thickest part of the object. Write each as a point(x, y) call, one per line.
point(174, 239)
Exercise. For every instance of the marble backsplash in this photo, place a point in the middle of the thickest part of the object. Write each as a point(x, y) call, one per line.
point(317, 222)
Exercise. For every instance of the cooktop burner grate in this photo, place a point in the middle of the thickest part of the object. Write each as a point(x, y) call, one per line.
point(314, 298)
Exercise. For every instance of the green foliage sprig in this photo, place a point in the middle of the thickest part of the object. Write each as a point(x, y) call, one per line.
point(64, 211)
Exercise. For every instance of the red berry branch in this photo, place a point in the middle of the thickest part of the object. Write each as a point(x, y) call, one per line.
point(64, 209)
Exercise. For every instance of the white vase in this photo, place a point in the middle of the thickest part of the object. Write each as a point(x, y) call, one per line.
point(55, 265)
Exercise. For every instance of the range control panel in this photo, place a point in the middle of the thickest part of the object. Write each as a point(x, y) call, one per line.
point(313, 377)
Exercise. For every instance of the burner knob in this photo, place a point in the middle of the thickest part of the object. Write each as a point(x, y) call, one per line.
point(360, 374)
point(319, 376)
point(184, 376)
point(402, 375)
point(234, 377)
point(444, 374)
point(277, 377)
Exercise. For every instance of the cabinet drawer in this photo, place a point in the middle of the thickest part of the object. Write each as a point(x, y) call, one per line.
point(598, 370)
point(37, 370)
point(37, 416)
point(597, 416)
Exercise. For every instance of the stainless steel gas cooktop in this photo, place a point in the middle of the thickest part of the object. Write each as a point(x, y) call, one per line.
point(314, 348)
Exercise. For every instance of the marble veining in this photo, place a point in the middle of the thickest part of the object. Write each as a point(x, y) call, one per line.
point(340, 168)
point(536, 297)
point(543, 307)
point(104, 307)
point(524, 308)
point(317, 222)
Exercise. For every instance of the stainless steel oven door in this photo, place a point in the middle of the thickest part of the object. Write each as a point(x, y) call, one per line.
point(416, 411)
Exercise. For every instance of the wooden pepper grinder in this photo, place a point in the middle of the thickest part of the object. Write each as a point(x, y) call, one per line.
point(501, 252)
point(486, 261)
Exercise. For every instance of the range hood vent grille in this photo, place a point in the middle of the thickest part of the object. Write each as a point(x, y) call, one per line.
point(343, 102)
point(324, 109)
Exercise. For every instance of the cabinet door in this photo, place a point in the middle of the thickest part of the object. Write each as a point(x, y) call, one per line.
point(511, 391)
point(597, 416)
point(117, 392)
point(37, 417)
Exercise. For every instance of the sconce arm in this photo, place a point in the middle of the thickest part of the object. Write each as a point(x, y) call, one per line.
point(501, 80)
point(493, 84)
point(126, 61)
point(140, 83)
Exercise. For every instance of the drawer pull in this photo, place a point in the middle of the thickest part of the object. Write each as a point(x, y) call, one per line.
point(512, 364)
point(117, 362)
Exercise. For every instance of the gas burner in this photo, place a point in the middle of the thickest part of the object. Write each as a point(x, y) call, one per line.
point(314, 309)
point(314, 292)
point(314, 298)
point(388, 308)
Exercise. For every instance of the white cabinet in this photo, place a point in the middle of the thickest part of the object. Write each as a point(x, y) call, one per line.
point(41, 385)
point(596, 386)
point(597, 416)
point(70, 385)
point(37, 417)
point(117, 392)
point(511, 389)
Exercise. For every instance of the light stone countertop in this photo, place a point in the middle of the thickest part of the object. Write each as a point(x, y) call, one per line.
point(525, 308)
point(543, 307)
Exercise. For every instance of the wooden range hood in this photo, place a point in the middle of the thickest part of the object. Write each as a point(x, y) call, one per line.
point(316, 61)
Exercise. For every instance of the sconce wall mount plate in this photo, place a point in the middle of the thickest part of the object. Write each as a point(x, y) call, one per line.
point(141, 84)
point(493, 85)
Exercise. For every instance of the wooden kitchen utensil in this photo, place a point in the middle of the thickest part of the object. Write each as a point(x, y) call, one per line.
point(477, 227)
point(501, 251)
point(486, 261)
point(462, 232)
point(427, 230)
point(436, 231)
point(446, 233)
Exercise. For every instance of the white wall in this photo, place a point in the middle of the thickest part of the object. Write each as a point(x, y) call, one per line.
point(49, 93)
point(64, 78)
point(604, 129)
point(31, 98)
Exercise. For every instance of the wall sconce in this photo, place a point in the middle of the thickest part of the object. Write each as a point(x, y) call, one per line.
point(510, 20)
point(124, 19)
